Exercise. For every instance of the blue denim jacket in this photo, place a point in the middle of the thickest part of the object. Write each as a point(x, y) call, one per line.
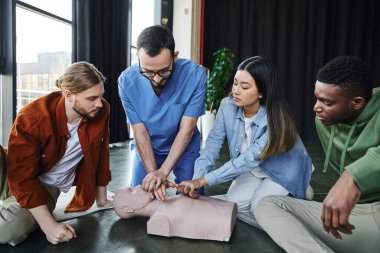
point(292, 169)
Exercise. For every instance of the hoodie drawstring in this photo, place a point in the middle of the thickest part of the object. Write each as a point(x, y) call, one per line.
point(343, 157)
point(328, 152)
point(344, 151)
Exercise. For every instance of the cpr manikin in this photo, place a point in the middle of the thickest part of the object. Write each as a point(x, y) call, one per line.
point(202, 218)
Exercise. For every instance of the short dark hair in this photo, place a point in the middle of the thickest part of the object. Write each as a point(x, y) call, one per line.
point(155, 38)
point(350, 73)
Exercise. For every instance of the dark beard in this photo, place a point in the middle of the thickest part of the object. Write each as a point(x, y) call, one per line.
point(85, 115)
point(161, 86)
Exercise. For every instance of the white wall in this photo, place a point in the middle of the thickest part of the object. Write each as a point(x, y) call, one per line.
point(182, 27)
point(144, 13)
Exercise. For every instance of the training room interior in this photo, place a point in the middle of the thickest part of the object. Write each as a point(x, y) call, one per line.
point(40, 38)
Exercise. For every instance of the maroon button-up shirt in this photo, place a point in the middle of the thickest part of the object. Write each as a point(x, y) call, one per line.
point(37, 142)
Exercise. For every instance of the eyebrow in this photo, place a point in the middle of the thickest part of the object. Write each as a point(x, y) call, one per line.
point(323, 98)
point(242, 82)
point(147, 70)
point(97, 96)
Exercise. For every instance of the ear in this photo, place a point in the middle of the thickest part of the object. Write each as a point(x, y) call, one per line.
point(358, 103)
point(176, 53)
point(68, 95)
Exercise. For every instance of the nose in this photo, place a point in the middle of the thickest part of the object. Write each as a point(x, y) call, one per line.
point(235, 90)
point(157, 79)
point(317, 107)
point(98, 103)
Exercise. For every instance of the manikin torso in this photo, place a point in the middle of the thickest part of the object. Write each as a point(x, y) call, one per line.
point(202, 218)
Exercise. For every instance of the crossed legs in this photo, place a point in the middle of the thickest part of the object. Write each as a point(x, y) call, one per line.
point(296, 226)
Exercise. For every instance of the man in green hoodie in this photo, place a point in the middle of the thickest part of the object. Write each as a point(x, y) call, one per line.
point(348, 125)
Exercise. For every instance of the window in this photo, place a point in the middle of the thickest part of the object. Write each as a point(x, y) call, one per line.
point(43, 46)
point(60, 8)
point(144, 13)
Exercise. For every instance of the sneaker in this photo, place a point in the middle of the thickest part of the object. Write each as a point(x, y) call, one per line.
point(309, 193)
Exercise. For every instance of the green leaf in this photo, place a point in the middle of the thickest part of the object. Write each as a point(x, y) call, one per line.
point(218, 78)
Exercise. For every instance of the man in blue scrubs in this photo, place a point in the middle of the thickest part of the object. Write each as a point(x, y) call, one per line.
point(162, 96)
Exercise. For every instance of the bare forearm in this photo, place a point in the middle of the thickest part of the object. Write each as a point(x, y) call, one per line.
point(102, 199)
point(154, 181)
point(55, 232)
point(145, 150)
point(43, 217)
point(201, 182)
point(179, 146)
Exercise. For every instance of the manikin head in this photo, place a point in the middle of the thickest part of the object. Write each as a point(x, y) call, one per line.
point(128, 201)
point(343, 88)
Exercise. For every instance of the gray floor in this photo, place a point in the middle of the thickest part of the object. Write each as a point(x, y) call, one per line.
point(106, 232)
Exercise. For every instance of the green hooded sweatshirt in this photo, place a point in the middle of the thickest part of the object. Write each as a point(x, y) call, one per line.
point(356, 148)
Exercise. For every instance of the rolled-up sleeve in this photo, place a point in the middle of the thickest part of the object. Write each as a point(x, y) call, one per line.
point(243, 163)
point(214, 143)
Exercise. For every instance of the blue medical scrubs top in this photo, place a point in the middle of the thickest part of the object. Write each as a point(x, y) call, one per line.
point(183, 95)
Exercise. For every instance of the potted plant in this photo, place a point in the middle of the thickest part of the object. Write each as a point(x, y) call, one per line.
point(216, 86)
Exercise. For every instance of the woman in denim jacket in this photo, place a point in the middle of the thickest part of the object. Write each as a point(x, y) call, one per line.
point(267, 155)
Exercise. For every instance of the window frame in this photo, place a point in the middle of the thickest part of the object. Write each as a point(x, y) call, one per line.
point(8, 62)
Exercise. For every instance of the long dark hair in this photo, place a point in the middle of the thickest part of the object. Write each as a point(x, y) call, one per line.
point(282, 130)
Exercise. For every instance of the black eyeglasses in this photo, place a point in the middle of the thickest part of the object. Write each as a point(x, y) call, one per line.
point(164, 73)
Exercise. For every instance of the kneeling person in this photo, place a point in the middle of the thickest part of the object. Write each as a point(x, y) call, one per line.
point(57, 141)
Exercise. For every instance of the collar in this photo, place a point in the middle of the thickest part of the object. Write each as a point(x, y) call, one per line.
point(260, 119)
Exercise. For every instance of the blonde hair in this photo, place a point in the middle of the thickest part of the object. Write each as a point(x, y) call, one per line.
point(79, 77)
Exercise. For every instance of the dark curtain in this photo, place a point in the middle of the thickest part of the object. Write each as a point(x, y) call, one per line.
point(101, 32)
point(299, 36)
